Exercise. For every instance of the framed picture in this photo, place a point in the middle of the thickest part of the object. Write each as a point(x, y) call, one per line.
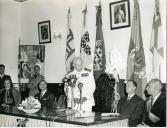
point(119, 14)
point(44, 32)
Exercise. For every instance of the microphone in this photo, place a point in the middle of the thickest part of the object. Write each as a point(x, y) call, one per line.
point(80, 86)
point(73, 79)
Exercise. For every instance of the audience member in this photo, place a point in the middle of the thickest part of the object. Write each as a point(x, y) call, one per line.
point(9, 96)
point(155, 106)
point(84, 83)
point(3, 76)
point(34, 81)
point(45, 97)
point(131, 105)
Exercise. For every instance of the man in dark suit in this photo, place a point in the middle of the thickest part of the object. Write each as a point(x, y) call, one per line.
point(45, 97)
point(3, 76)
point(155, 112)
point(131, 105)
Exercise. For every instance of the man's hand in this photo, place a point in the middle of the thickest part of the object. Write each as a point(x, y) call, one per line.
point(153, 117)
point(84, 99)
point(4, 105)
point(77, 100)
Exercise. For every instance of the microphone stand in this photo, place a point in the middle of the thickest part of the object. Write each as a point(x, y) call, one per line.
point(116, 95)
point(80, 85)
point(73, 82)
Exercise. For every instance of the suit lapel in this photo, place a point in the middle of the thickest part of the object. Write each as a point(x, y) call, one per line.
point(157, 101)
point(132, 98)
point(45, 95)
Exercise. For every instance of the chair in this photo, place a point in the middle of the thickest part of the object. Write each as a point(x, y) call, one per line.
point(60, 102)
point(104, 93)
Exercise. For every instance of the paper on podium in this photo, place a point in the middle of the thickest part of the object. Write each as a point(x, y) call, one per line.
point(110, 114)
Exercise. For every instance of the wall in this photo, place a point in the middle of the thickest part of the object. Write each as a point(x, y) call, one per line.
point(10, 24)
point(34, 11)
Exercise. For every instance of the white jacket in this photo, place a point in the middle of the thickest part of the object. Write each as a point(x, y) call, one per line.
point(86, 78)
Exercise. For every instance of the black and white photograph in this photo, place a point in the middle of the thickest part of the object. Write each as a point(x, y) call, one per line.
point(83, 63)
point(44, 32)
point(119, 14)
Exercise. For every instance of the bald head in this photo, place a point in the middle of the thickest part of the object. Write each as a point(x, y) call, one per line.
point(77, 63)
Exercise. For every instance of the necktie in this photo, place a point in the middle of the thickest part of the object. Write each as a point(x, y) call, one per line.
point(6, 96)
point(149, 105)
point(35, 75)
point(128, 99)
point(41, 95)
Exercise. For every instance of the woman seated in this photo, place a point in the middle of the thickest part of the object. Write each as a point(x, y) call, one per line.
point(9, 96)
point(45, 97)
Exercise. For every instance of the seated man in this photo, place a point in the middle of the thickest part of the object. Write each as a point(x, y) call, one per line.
point(80, 94)
point(131, 105)
point(45, 97)
point(155, 112)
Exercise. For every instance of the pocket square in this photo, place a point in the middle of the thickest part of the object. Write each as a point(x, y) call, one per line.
point(153, 117)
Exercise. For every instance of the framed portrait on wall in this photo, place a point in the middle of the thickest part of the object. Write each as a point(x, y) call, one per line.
point(119, 14)
point(44, 32)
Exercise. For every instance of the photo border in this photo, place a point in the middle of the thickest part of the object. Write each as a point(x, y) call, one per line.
point(127, 22)
point(46, 25)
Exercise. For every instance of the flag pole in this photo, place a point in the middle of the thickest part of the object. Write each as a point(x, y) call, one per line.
point(19, 57)
point(84, 16)
point(160, 72)
point(68, 17)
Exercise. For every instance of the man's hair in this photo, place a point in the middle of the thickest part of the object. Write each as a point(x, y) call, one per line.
point(133, 82)
point(8, 78)
point(2, 65)
point(37, 66)
point(156, 81)
point(42, 81)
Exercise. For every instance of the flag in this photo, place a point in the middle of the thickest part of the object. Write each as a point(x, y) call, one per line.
point(157, 42)
point(136, 67)
point(70, 50)
point(99, 64)
point(85, 50)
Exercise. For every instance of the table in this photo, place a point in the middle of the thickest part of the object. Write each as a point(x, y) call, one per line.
point(10, 116)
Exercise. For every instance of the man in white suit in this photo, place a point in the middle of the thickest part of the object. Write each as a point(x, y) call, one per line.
point(80, 96)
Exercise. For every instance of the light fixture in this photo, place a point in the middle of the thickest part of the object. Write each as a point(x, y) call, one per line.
point(20, 0)
point(57, 34)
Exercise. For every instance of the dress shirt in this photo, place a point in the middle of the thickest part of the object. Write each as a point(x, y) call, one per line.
point(130, 96)
point(43, 92)
point(2, 75)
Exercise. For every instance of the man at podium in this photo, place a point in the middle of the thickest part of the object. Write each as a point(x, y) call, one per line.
point(81, 87)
